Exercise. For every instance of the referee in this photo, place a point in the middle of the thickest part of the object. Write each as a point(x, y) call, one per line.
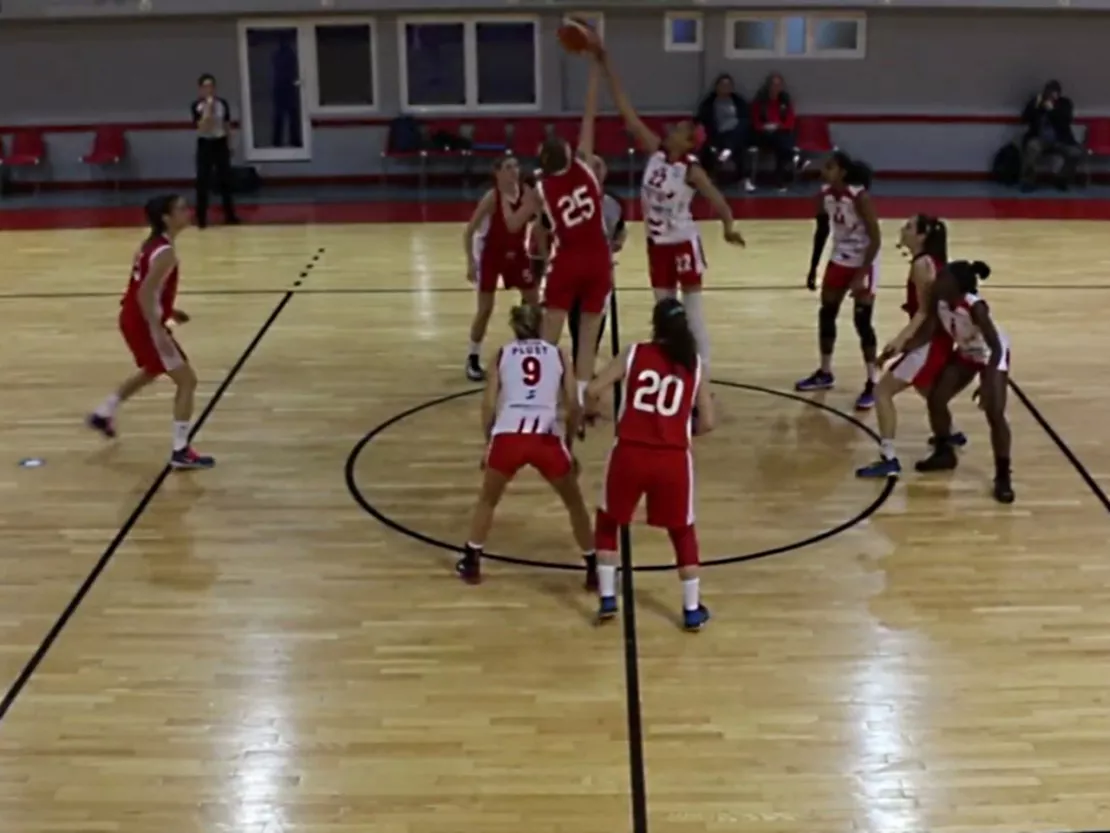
point(212, 119)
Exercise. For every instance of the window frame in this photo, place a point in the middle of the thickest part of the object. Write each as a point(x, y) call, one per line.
point(733, 53)
point(470, 62)
point(669, 44)
point(812, 20)
point(315, 107)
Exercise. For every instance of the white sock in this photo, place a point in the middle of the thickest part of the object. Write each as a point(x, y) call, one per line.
point(582, 392)
point(886, 448)
point(695, 314)
point(180, 435)
point(606, 580)
point(872, 373)
point(475, 349)
point(690, 600)
point(107, 408)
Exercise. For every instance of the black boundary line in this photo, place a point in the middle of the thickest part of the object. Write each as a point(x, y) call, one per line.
point(70, 609)
point(396, 526)
point(633, 708)
point(451, 290)
point(1065, 449)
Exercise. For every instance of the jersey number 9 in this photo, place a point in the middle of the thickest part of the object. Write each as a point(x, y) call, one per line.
point(657, 394)
point(576, 207)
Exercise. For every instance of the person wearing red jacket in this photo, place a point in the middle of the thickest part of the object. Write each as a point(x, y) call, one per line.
point(773, 127)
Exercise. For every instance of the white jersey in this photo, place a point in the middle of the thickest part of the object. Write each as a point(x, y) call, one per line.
point(849, 232)
point(666, 195)
point(968, 338)
point(531, 374)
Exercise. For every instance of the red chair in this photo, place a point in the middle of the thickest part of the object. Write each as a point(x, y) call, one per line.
point(1096, 143)
point(109, 147)
point(811, 138)
point(528, 135)
point(28, 150)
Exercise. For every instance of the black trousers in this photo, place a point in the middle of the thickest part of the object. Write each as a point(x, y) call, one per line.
point(213, 161)
point(781, 144)
point(574, 319)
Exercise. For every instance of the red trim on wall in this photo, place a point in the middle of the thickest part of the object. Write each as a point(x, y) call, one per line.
point(326, 122)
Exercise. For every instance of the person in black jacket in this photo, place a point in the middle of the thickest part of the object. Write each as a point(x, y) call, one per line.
point(726, 118)
point(1048, 132)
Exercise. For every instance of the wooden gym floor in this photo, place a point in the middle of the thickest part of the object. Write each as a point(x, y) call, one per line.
point(248, 650)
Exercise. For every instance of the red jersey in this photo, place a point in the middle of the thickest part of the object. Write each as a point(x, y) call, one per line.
point(494, 240)
point(658, 399)
point(913, 303)
point(572, 201)
point(140, 270)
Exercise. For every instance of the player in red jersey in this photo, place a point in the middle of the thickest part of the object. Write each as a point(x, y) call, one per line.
point(845, 207)
point(672, 176)
point(925, 238)
point(579, 263)
point(494, 242)
point(520, 416)
point(651, 456)
point(146, 313)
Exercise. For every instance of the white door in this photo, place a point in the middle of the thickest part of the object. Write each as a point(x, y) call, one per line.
point(276, 123)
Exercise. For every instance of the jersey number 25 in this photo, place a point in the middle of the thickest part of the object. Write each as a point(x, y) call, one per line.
point(657, 394)
point(576, 207)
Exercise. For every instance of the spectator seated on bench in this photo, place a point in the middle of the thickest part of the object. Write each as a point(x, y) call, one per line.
point(1048, 119)
point(773, 122)
point(726, 119)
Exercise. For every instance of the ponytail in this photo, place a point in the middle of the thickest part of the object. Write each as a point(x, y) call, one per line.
point(968, 275)
point(856, 172)
point(671, 331)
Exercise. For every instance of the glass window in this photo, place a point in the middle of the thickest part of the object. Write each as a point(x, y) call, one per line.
point(344, 65)
point(753, 35)
point(435, 64)
point(506, 60)
point(795, 35)
point(685, 31)
point(835, 35)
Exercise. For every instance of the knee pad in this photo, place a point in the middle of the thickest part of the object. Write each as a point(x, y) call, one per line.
point(826, 321)
point(605, 532)
point(861, 315)
point(685, 541)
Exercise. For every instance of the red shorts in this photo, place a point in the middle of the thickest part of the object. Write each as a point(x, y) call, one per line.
point(513, 271)
point(546, 453)
point(674, 265)
point(585, 278)
point(665, 476)
point(144, 349)
point(922, 366)
point(839, 276)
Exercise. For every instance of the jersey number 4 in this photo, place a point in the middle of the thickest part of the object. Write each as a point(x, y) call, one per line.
point(530, 372)
point(576, 207)
point(657, 394)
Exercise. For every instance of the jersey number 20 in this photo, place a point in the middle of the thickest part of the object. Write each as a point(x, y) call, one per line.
point(657, 394)
point(576, 207)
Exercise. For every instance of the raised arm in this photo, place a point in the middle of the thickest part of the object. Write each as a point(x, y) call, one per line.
point(586, 131)
point(645, 137)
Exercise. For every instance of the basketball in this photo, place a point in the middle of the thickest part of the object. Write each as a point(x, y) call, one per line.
point(575, 36)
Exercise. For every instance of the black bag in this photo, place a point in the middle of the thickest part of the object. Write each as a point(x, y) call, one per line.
point(245, 179)
point(1006, 167)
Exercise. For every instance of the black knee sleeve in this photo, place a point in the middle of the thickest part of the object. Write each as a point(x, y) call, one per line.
point(826, 322)
point(862, 317)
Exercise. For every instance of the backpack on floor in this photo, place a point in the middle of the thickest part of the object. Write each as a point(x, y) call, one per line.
point(1006, 168)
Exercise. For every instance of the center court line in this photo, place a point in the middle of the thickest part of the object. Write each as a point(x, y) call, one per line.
point(71, 608)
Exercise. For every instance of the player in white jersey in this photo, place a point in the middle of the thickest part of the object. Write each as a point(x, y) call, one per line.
point(525, 389)
point(980, 351)
point(673, 175)
point(845, 209)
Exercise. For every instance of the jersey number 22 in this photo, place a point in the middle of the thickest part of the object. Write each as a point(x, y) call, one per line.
point(657, 394)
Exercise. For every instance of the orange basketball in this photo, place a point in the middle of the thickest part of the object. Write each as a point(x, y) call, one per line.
point(575, 36)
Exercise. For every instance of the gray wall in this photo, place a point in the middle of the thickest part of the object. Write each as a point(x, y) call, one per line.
point(918, 62)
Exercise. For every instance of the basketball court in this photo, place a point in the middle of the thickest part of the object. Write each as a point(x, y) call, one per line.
point(281, 645)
